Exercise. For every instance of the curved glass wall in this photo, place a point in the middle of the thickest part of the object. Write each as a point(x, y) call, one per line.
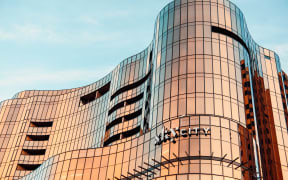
point(202, 101)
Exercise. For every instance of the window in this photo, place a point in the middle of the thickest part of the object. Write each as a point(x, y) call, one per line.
point(88, 98)
point(113, 123)
point(230, 34)
point(267, 57)
point(37, 137)
point(95, 94)
point(112, 139)
point(27, 167)
point(131, 132)
point(41, 124)
point(133, 115)
point(131, 86)
point(128, 102)
point(33, 152)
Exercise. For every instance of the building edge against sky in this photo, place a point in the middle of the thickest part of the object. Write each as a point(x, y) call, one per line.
point(202, 101)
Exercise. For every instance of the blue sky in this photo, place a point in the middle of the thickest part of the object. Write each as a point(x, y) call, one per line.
point(68, 43)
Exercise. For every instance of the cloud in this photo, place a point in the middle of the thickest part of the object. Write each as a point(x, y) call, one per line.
point(29, 30)
point(89, 20)
point(6, 35)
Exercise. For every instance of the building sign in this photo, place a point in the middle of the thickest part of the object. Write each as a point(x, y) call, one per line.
point(174, 133)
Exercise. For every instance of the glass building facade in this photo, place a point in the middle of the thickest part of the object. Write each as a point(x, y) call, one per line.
point(202, 101)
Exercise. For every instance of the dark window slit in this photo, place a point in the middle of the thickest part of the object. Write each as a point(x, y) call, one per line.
point(126, 118)
point(37, 137)
point(230, 34)
point(267, 57)
point(135, 99)
point(95, 94)
point(88, 98)
point(113, 123)
point(27, 167)
point(103, 90)
point(133, 115)
point(33, 152)
point(130, 86)
point(112, 139)
point(131, 132)
point(117, 106)
point(128, 101)
point(151, 55)
point(41, 124)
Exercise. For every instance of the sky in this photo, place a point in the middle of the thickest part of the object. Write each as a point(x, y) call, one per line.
point(50, 45)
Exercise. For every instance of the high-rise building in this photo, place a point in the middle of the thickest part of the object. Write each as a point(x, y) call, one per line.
point(203, 101)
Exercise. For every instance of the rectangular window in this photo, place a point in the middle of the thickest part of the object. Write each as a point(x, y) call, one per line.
point(95, 94)
point(33, 152)
point(267, 57)
point(131, 132)
point(27, 167)
point(41, 124)
point(37, 138)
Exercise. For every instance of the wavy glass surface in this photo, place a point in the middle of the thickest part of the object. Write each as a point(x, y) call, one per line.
point(201, 70)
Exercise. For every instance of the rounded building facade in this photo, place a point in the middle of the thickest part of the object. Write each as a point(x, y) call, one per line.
point(202, 101)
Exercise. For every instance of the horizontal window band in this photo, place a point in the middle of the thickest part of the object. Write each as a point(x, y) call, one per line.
point(88, 98)
point(130, 86)
point(33, 152)
point(117, 106)
point(128, 101)
point(112, 139)
point(131, 132)
point(27, 167)
point(267, 57)
point(95, 94)
point(135, 99)
point(124, 135)
point(127, 117)
point(133, 115)
point(113, 123)
point(41, 124)
point(231, 35)
point(37, 138)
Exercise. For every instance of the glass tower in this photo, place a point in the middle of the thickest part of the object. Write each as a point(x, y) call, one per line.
point(202, 101)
